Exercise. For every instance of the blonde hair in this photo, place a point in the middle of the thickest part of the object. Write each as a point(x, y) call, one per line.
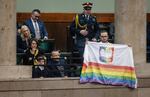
point(22, 29)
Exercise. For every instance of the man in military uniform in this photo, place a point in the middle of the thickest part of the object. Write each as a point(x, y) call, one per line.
point(84, 28)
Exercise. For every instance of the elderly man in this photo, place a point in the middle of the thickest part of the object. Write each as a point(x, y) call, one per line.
point(57, 64)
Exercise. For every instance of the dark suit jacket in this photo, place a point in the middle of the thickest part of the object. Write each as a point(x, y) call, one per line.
point(42, 28)
point(37, 72)
point(21, 44)
point(58, 68)
point(28, 58)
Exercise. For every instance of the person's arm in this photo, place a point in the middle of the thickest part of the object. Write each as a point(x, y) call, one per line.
point(65, 67)
point(44, 31)
point(73, 29)
point(27, 58)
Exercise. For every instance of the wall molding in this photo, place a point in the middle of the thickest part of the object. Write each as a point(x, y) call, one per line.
point(68, 17)
point(65, 17)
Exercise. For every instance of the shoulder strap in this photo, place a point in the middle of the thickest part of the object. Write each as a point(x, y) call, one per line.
point(77, 20)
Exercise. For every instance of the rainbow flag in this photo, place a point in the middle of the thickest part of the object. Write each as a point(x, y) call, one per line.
point(108, 64)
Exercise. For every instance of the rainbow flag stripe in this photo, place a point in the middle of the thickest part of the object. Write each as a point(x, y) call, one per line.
point(108, 74)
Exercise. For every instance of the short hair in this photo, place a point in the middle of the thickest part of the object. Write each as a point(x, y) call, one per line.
point(36, 10)
point(55, 50)
point(104, 31)
point(41, 57)
point(33, 39)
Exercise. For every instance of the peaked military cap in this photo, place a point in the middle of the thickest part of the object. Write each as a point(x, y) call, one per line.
point(87, 5)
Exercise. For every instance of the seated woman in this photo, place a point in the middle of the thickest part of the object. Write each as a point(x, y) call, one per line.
point(30, 57)
point(23, 39)
point(57, 65)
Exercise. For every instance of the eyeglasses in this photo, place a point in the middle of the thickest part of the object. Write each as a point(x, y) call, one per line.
point(104, 36)
point(37, 16)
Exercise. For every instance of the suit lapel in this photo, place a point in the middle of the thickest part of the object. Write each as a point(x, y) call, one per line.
point(32, 27)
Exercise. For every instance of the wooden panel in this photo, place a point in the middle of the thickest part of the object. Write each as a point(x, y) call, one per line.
point(65, 17)
point(68, 17)
point(106, 17)
point(59, 33)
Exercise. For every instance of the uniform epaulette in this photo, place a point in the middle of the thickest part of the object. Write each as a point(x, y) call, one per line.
point(78, 24)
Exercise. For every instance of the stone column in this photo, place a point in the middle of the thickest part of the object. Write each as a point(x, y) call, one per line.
point(8, 67)
point(130, 26)
point(7, 32)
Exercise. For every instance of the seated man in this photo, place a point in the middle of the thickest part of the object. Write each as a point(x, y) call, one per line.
point(41, 70)
point(57, 65)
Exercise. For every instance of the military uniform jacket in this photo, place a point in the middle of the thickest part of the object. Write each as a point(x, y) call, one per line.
point(85, 22)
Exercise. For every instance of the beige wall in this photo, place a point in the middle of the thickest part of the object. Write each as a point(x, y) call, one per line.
point(67, 6)
point(64, 6)
point(61, 87)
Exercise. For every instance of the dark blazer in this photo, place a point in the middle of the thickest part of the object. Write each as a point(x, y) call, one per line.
point(58, 68)
point(92, 27)
point(37, 72)
point(21, 44)
point(28, 58)
point(42, 28)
